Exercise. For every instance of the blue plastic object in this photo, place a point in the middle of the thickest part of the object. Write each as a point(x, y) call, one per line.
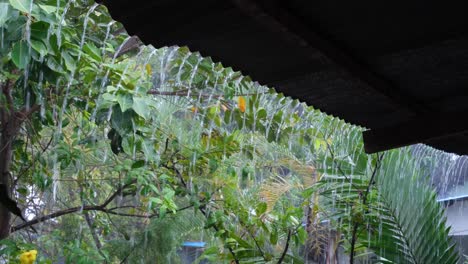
point(197, 244)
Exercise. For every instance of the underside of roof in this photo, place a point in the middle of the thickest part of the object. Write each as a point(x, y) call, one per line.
point(398, 68)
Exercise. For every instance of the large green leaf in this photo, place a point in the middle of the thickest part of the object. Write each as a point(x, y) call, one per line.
point(22, 5)
point(20, 54)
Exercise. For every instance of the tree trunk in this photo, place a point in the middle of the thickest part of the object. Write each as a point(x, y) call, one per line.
point(7, 135)
point(10, 123)
point(5, 161)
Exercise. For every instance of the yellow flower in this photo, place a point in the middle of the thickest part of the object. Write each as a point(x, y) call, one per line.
point(28, 257)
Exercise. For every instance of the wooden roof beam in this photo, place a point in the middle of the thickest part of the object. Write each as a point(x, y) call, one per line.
point(417, 130)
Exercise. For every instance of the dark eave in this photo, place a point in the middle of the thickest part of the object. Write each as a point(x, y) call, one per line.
point(429, 128)
point(398, 68)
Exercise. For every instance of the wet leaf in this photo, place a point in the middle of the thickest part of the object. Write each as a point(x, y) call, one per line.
point(22, 5)
point(91, 50)
point(20, 54)
point(125, 101)
point(39, 46)
point(48, 8)
point(70, 62)
point(140, 106)
point(54, 65)
point(39, 30)
point(4, 13)
point(53, 45)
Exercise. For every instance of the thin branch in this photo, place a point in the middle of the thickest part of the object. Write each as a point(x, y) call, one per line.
point(258, 245)
point(286, 247)
point(26, 112)
point(131, 215)
point(339, 167)
point(44, 149)
point(371, 182)
point(94, 235)
point(364, 201)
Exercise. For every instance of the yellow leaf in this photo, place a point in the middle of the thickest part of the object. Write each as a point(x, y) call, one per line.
point(241, 104)
point(148, 69)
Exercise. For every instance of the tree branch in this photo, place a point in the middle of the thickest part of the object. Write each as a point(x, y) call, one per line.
point(101, 208)
point(119, 191)
point(286, 247)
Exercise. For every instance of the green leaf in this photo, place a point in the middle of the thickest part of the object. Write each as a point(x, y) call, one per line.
point(155, 200)
point(261, 208)
point(274, 236)
point(162, 211)
point(261, 113)
point(70, 62)
point(48, 8)
point(302, 235)
point(140, 106)
point(109, 97)
point(125, 101)
point(22, 191)
point(39, 30)
point(20, 54)
point(22, 5)
point(138, 164)
point(39, 46)
point(122, 121)
point(54, 65)
point(53, 45)
point(111, 89)
point(4, 13)
point(91, 50)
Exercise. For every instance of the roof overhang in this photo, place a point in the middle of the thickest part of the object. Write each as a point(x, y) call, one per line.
point(398, 68)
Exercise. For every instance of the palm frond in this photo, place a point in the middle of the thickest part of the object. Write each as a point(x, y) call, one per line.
point(409, 226)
